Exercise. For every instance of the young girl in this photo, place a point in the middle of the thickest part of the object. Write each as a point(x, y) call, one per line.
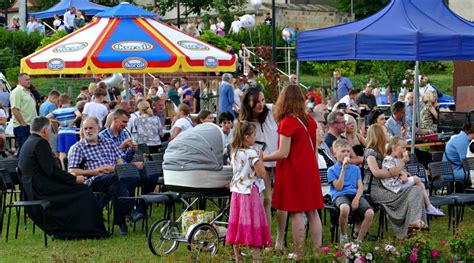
point(394, 162)
point(248, 224)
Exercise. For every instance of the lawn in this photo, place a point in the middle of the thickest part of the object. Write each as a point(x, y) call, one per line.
point(133, 248)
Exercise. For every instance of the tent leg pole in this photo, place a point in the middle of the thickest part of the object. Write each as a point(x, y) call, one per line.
point(126, 85)
point(416, 105)
point(297, 71)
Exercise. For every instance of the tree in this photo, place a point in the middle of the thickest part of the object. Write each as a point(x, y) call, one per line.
point(198, 6)
point(362, 8)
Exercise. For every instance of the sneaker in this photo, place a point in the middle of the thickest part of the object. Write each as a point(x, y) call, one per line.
point(137, 215)
point(343, 239)
point(123, 230)
point(433, 211)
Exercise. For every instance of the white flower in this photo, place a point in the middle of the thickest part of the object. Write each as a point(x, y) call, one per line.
point(388, 247)
point(368, 256)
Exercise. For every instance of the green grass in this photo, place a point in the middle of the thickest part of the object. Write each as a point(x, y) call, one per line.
point(133, 248)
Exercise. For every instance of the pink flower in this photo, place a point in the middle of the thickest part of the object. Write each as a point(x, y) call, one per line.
point(413, 257)
point(325, 250)
point(415, 248)
point(434, 253)
point(339, 254)
point(360, 260)
point(442, 243)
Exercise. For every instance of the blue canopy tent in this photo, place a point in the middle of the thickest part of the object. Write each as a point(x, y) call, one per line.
point(405, 30)
point(60, 8)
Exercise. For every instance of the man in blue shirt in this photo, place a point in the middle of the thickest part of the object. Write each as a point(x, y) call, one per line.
point(186, 92)
point(226, 95)
point(396, 125)
point(343, 85)
point(347, 192)
point(456, 149)
point(49, 105)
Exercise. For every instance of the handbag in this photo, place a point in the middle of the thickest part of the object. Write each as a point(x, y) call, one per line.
point(309, 136)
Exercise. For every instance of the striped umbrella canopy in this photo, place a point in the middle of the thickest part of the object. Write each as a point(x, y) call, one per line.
point(127, 39)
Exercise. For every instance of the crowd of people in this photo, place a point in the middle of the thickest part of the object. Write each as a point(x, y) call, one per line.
point(364, 152)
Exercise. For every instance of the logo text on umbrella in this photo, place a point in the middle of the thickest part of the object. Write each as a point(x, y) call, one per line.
point(131, 46)
point(56, 64)
point(211, 62)
point(70, 47)
point(191, 45)
point(134, 63)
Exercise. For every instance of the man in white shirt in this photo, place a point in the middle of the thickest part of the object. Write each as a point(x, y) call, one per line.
point(69, 19)
point(235, 26)
point(32, 25)
point(425, 86)
point(96, 108)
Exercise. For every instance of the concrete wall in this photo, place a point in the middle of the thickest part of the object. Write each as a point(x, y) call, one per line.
point(302, 20)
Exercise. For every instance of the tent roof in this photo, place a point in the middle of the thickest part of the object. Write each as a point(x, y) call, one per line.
point(126, 10)
point(60, 8)
point(409, 30)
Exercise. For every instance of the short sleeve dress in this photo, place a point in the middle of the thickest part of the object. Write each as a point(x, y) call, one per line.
point(297, 182)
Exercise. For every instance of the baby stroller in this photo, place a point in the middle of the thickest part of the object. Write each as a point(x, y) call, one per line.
point(193, 168)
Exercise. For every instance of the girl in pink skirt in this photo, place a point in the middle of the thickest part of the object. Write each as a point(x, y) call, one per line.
point(248, 226)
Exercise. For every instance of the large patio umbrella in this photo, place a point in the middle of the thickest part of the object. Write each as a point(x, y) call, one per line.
point(127, 39)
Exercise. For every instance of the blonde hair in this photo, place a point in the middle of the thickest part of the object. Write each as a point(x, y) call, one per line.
point(428, 97)
point(376, 138)
point(144, 108)
point(92, 87)
point(393, 142)
point(241, 129)
point(184, 108)
point(169, 112)
point(339, 143)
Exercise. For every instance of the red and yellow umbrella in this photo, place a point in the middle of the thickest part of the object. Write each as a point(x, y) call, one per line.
point(127, 39)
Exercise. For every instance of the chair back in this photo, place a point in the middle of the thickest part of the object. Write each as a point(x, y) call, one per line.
point(10, 166)
point(323, 174)
point(154, 167)
point(157, 156)
point(441, 172)
point(416, 169)
point(126, 170)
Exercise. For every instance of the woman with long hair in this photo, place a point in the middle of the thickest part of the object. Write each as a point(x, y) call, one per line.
point(254, 109)
point(356, 140)
point(297, 184)
point(148, 127)
point(173, 92)
point(404, 209)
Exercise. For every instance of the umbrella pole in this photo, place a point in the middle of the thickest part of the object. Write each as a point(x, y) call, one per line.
point(297, 72)
point(126, 86)
point(416, 106)
point(144, 87)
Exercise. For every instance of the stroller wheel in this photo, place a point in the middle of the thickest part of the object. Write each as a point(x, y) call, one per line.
point(162, 237)
point(203, 239)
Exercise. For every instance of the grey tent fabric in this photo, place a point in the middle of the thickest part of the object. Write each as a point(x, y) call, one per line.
point(199, 148)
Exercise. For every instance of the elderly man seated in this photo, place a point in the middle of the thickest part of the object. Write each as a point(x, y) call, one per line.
point(95, 158)
point(122, 139)
point(74, 212)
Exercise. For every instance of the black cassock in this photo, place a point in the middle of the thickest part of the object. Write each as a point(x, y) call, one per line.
point(74, 212)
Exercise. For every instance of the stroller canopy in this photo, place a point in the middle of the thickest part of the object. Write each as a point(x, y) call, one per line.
point(199, 148)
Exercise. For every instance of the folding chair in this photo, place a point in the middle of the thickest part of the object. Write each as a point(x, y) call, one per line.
point(444, 171)
point(130, 171)
point(43, 204)
point(419, 170)
point(468, 166)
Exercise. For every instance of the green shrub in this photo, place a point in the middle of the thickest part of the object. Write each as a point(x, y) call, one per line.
point(7, 59)
point(12, 75)
point(218, 41)
point(48, 40)
point(20, 43)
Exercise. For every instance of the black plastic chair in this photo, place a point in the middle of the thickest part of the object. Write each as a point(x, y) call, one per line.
point(130, 171)
point(43, 204)
point(444, 171)
point(419, 170)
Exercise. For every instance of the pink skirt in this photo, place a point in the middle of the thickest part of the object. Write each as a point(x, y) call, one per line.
point(248, 224)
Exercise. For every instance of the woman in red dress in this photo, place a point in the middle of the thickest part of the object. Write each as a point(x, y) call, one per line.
point(297, 183)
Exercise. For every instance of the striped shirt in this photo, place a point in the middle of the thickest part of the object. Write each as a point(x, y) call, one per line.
point(65, 116)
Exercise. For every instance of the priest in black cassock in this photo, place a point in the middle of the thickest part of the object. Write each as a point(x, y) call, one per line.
point(74, 212)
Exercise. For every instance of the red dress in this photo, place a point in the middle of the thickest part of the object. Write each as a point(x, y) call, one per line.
point(297, 183)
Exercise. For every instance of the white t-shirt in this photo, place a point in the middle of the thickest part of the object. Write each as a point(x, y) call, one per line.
point(347, 100)
point(238, 93)
point(213, 28)
point(424, 89)
point(236, 25)
point(32, 26)
point(131, 122)
point(97, 110)
point(244, 176)
point(221, 25)
point(160, 91)
point(2, 113)
point(183, 123)
point(267, 132)
point(69, 19)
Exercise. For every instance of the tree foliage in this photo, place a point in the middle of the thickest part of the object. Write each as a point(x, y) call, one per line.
point(222, 7)
point(362, 8)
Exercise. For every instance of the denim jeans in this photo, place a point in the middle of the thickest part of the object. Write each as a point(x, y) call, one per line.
point(21, 133)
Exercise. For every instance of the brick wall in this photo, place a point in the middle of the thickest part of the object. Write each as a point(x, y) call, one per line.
point(193, 78)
